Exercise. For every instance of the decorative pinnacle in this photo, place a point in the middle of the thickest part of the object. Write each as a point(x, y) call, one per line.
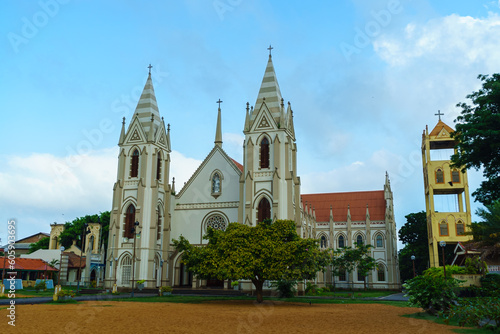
point(150, 67)
point(168, 127)
point(123, 121)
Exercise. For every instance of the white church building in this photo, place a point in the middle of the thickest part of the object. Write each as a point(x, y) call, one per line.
point(264, 185)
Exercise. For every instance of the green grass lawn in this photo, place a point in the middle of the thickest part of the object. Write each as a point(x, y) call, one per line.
point(467, 330)
point(358, 294)
point(30, 292)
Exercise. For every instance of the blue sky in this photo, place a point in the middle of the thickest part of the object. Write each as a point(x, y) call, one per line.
point(364, 79)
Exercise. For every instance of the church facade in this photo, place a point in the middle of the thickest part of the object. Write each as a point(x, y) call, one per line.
point(149, 212)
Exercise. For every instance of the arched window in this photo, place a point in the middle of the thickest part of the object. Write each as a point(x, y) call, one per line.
point(323, 241)
point(158, 225)
point(216, 186)
point(126, 270)
point(359, 240)
point(380, 273)
point(439, 176)
point(158, 166)
point(264, 153)
point(129, 222)
point(134, 164)
point(460, 228)
point(264, 210)
point(455, 176)
point(217, 222)
point(341, 241)
point(443, 228)
point(379, 241)
point(361, 277)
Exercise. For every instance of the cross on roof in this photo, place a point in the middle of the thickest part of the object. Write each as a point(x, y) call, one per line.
point(439, 114)
point(150, 67)
point(219, 102)
point(270, 48)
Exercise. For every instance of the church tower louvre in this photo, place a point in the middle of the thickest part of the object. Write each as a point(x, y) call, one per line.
point(141, 195)
point(269, 186)
point(446, 191)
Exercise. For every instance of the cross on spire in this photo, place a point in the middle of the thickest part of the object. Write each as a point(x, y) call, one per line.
point(439, 114)
point(270, 48)
point(150, 67)
point(219, 102)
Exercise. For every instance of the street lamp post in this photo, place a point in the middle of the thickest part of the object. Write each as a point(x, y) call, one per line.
point(442, 243)
point(134, 230)
point(60, 267)
point(413, 260)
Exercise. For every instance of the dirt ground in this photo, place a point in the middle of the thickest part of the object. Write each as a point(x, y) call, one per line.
point(215, 317)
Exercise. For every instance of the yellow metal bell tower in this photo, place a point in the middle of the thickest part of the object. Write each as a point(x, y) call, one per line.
point(446, 191)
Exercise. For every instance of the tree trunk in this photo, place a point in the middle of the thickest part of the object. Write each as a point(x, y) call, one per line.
point(258, 289)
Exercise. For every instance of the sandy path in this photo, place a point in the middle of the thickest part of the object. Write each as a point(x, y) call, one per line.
point(215, 317)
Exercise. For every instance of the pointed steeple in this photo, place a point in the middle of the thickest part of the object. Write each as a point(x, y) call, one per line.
point(122, 133)
point(270, 90)
point(147, 105)
point(218, 131)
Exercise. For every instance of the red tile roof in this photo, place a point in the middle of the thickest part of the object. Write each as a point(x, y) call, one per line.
point(74, 260)
point(357, 202)
point(27, 264)
point(240, 166)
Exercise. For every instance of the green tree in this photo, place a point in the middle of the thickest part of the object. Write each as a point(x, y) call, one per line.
point(268, 251)
point(486, 234)
point(413, 235)
point(40, 244)
point(478, 137)
point(73, 230)
point(349, 259)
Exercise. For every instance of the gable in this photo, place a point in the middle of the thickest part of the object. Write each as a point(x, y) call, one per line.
point(198, 188)
point(135, 133)
point(264, 120)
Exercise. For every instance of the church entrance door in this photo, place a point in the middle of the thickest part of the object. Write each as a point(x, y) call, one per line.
point(186, 277)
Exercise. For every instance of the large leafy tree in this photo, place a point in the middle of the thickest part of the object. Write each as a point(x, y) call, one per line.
point(349, 259)
point(478, 137)
point(73, 230)
point(268, 251)
point(40, 244)
point(413, 235)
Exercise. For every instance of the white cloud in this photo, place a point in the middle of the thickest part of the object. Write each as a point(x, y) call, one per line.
point(460, 40)
point(42, 188)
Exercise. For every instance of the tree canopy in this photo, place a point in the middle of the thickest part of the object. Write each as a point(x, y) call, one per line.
point(73, 230)
point(268, 251)
point(413, 234)
point(40, 244)
point(478, 137)
point(348, 259)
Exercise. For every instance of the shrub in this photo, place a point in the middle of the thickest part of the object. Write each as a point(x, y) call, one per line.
point(475, 266)
point(477, 312)
point(433, 294)
point(311, 288)
point(40, 286)
point(490, 285)
point(450, 270)
point(286, 288)
point(141, 281)
point(64, 293)
point(166, 289)
point(235, 283)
